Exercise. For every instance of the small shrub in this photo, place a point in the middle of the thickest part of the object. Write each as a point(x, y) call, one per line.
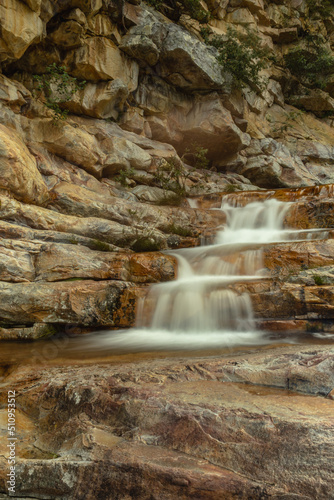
point(323, 8)
point(230, 188)
point(319, 280)
point(191, 7)
point(101, 245)
point(124, 175)
point(242, 55)
point(171, 175)
point(312, 64)
point(58, 87)
point(179, 230)
point(145, 244)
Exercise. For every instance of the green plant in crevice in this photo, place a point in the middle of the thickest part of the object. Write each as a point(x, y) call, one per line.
point(191, 7)
point(179, 230)
point(124, 175)
point(311, 62)
point(58, 87)
point(242, 55)
point(323, 8)
point(142, 238)
point(198, 155)
point(319, 280)
point(171, 175)
point(231, 188)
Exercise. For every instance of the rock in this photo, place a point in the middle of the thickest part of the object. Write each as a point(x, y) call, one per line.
point(90, 227)
point(75, 200)
point(138, 42)
point(187, 63)
point(99, 100)
point(200, 428)
point(20, 27)
point(186, 123)
point(155, 195)
point(82, 302)
point(133, 121)
point(17, 260)
point(276, 168)
point(15, 231)
point(35, 332)
point(242, 17)
point(18, 170)
point(74, 145)
point(275, 89)
point(64, 262)
point(34, 5)
point(294, 300)
point(99, 59)
point(314, 276)
point(312, 100)
point(68, 34)
point(101, 25)
point(13, 93)
point(123, 154)
point(285, 259)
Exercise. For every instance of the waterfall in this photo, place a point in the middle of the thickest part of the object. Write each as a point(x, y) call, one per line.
point(202, 299)
point(202, 308)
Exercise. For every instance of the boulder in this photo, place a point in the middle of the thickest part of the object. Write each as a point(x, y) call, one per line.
point(18, 170)
point(36, 332)
point(100, 100)
point(144, 42)
point(187, 122)
point(315, 100)
point(100, 59)
point(71, 143)
point(20, 27)
point(111, 303)
point(10, 230)
point(95, 228)
point(274, 166)
point(68, 34)
point(188, 63)
point(64, 262)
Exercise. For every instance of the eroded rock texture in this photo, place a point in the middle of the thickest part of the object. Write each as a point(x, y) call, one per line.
point(207, 428)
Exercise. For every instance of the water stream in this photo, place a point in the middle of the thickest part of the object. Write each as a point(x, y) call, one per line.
point(202, 309)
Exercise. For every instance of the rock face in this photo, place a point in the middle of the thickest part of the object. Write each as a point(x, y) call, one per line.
point(18, 170)
point(190, 428)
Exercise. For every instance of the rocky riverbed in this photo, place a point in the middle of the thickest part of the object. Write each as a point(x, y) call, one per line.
point(246, 423)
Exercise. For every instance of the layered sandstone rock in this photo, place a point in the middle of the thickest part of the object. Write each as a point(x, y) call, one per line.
point(166, 428)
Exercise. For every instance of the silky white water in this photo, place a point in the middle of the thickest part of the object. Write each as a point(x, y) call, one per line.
point(205, 306)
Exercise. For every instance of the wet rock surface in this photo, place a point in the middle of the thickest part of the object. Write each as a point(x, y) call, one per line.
point(241, 424)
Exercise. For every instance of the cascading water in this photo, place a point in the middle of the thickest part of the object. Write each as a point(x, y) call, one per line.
point(201, 301)
point(203, 308)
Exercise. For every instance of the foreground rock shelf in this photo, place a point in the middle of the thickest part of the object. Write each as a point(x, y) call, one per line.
point(203, 427)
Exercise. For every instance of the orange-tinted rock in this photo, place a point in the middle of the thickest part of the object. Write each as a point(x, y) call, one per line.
point(111, 303)
point(18, 169)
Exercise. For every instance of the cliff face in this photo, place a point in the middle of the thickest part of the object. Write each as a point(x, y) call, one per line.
point(113, 112)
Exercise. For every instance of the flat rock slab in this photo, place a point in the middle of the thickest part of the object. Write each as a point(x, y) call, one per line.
point(169, 428)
